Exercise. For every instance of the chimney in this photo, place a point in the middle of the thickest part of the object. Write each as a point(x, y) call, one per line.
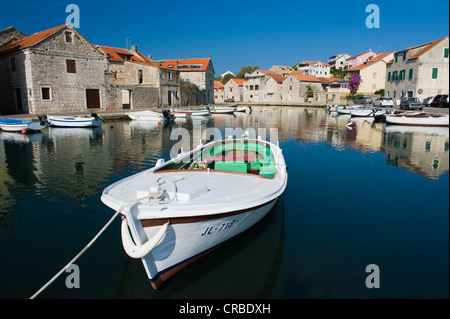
point(133, 49)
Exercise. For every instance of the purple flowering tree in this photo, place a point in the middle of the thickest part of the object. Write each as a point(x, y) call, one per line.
point(354, 82)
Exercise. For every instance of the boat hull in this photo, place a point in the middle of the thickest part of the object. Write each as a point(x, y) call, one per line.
point(20, 126)
point(187, 240)
point(366, 113)
point(146, 116)
point(73, 121)
point(439, 121)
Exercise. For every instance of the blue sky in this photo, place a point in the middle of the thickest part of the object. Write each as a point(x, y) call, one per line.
point(237, 33)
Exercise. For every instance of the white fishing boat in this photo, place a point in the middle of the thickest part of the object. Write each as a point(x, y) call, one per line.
point(223, 110)
point(199, 112)
point(241, 109)
point(146, 115)
point(366, 112)
point(75, 121)
point(347, 109)
point(180, 210)
point(16, 125)
point(180, 113)
point(418, 119)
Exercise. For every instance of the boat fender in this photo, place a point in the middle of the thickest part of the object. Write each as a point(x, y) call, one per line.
point(139, 251)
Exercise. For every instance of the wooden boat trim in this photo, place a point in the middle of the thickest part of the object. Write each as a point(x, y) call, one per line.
point(196, 219)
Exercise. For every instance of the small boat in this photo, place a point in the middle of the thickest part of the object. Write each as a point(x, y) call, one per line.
point(347, 109)
point(223, 110)
point(73, 121)
point(182, 209)
point(199, 112)
point(241, 109)
point(146, 116)
point(16, 125)
point(418, 119)
point(366, 112)
point(180, 113)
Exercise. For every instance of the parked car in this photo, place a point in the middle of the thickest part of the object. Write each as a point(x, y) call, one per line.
point(384, 101)
point(445, 102)
point(428, 100)
point(411, 103)
point(437, 100)
point(364, 100)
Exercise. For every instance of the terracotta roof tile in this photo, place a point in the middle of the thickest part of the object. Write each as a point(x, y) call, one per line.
point(239, 81)
point(377, 58)
point(30, 40)
point(268, 72)
point(426, 48)
point(218, 84)
point(306, 78)
point(279, 78)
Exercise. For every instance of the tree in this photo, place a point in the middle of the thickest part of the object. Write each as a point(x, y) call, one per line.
point(354, 82)
point(227, 78)
point(247, 69)
point(339, 72)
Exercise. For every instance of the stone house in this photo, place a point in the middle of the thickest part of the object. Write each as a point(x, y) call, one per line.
point(255, 88)
point(372, 72)
point(419, 71)
point(274, 89)
point(56, 70)
point(314, 68)
point(197, 71)
point(282, 70)
point(301, 88)
point(142, 82)
point(10, 34)
point(234, 90)
point(219, 95)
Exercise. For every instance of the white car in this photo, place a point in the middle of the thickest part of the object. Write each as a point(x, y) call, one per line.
point(428, 100)
point(383, 101)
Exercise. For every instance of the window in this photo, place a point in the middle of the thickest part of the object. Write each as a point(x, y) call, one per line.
point(394, 76)
point(13, 63)
point(231, 89)
point(404, 56)
point(446, 53)
point(68, 37)
point(411, 72)
point(140, 77)
point(256, 87)
point(46, 94)
point(435, 73)
point(396, 57)
point(374, 75)
point(71, 66)
point(170, 75)
point(389, 76)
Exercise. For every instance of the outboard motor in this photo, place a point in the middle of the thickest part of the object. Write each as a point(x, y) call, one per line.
point(95, 116)
point(169, 117)
point(42, 119)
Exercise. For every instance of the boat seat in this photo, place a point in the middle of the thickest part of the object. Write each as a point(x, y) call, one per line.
point(231, 166)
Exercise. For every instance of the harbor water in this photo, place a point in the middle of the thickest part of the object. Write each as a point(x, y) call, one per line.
point(360, 195)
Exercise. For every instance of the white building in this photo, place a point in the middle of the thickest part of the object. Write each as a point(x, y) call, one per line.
point(419, 71)
point(315, 68)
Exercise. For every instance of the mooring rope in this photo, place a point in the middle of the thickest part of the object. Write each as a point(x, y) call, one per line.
point(79, 254)
point(155, 197)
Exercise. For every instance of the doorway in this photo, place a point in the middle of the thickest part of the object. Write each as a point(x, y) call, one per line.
point(93, 98)
point(19, 99)
point(169, 98)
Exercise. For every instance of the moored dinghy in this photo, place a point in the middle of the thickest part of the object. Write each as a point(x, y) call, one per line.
point(16, 125)
point(179, 210)
point(75, 121)
point(418, 119)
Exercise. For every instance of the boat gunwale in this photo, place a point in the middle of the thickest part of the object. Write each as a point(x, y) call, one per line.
point(160, 169)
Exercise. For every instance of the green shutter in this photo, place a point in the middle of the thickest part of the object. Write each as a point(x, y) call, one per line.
point(435, 73)
point(389, 76)
point(446, 53)
point(411, 71)
point(396, 57)
point(404, 56)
